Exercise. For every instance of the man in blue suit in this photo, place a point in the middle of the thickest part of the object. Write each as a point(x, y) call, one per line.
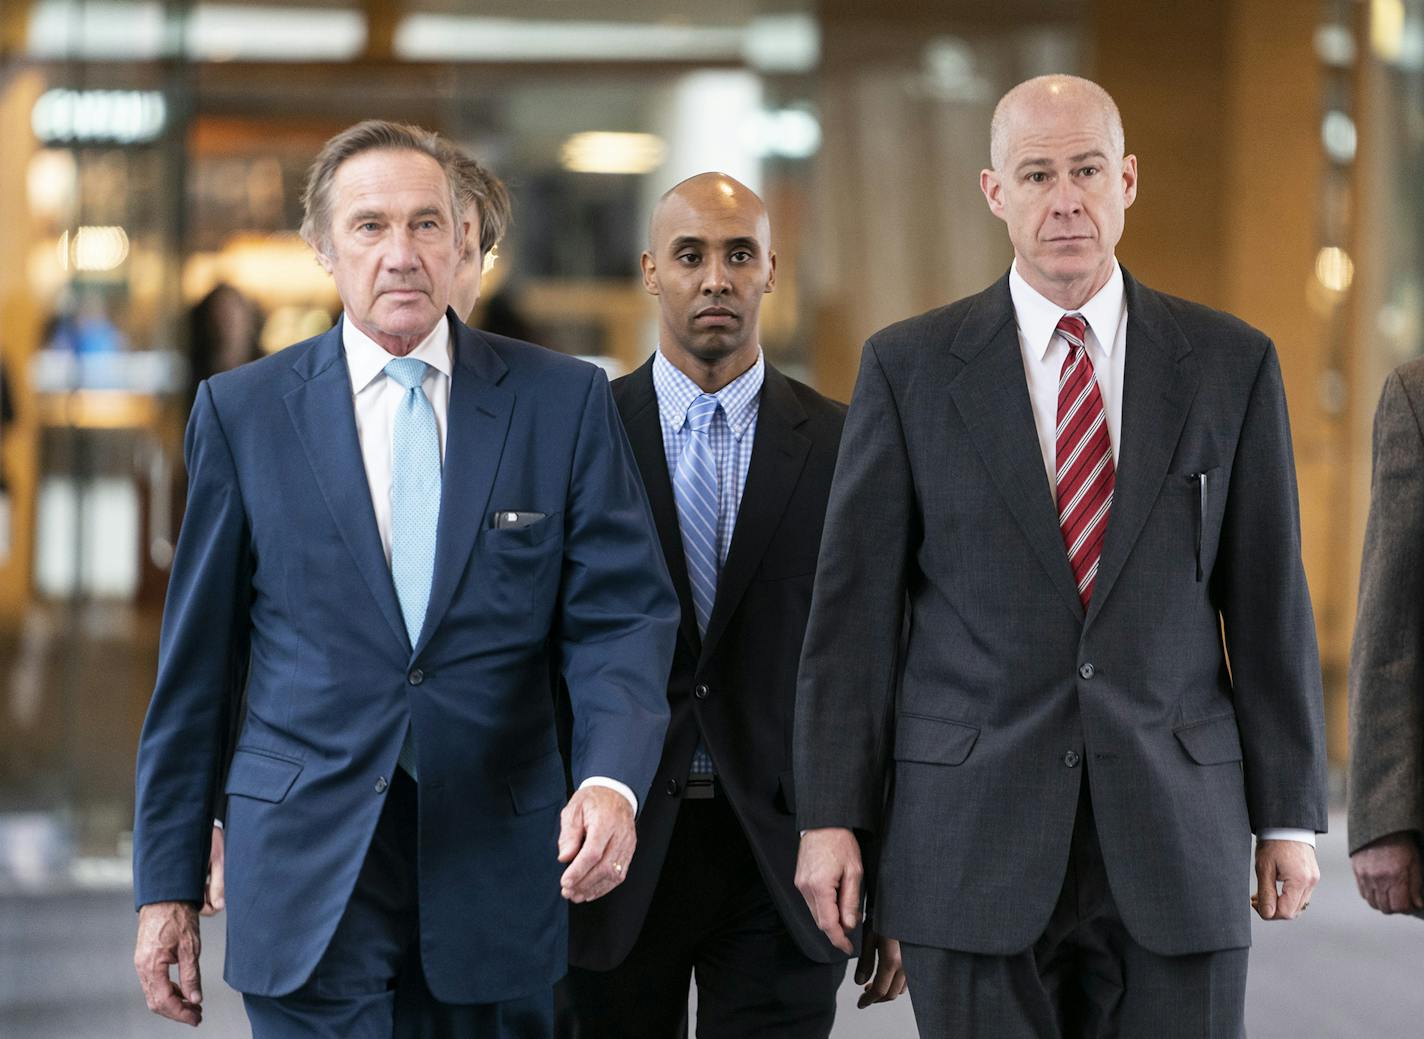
point(395, 531)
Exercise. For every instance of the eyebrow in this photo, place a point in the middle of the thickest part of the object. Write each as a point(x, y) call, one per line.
point(741, 242)
point(362, 215)
point(1095, 153)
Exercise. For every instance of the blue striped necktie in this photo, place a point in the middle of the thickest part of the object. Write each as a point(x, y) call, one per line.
point(698, 493)
point(415, 506)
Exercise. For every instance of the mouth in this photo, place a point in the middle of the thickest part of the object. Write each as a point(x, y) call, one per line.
point(1069, 239)
point(716, 316)
point(403, 295)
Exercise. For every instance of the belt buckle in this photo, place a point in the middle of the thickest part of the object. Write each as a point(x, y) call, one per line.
point(701, 786)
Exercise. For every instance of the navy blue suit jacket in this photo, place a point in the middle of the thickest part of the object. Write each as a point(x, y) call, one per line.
point(280, 585)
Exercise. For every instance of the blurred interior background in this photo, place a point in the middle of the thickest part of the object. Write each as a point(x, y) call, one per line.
point(154, 152)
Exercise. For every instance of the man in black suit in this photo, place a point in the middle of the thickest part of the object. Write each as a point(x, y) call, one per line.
point(1019, 626)
point(737, 460)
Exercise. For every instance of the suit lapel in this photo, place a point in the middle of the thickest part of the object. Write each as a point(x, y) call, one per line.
point(778, 456)
point(480, 410)
point(638, 405)
point(325, 422)
point(991, 394)
point(1159, 382)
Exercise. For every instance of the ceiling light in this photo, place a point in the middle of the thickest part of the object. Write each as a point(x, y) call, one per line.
point(603, 152)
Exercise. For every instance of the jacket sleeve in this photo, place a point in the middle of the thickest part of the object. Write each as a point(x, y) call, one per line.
point(846, 684)
point(1386, 783)
point(1268, 622)
point(618, 611)
point(201, 660)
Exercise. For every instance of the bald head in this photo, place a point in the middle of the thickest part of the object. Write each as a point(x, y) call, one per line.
point(1061, 184)
point(705, 195)
point(1036, 100)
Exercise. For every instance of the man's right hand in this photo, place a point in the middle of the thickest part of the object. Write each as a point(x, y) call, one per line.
point(168, 935)
point(828, 875)
point(1388, 873)
point(215, 893)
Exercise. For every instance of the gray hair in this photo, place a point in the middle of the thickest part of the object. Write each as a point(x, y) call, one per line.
point(1003, 113)
point(371, 135)
point(478, 186)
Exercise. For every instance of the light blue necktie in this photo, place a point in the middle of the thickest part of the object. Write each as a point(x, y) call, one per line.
point(415, 506)
point(697, 491)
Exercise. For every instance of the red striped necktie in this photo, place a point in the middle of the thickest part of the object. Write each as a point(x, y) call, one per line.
point(1084, 463)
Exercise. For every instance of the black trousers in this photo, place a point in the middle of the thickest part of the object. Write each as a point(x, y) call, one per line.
point(369, 983)
point(711, 917)
point(1085, 977)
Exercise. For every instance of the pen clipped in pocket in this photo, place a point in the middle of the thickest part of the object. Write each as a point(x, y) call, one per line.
point(1200, 480)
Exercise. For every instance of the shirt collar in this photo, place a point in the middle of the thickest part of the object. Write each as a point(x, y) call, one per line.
point(366, 359)
point(676, 392)
point(1037, 315)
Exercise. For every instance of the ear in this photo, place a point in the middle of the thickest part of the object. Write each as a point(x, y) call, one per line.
point(992, 185)
point(650, 274)
point(771, 275)
point(1129, 180)
point(324, 260)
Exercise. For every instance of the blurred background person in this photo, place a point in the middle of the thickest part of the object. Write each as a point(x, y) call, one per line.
point(223, 331)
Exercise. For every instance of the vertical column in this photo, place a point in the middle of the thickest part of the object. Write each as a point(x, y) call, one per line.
point(1221, 100)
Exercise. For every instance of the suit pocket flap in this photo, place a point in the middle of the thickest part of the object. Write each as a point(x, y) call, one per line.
point(935, 741)
point(261, 774)
point(538, 784)
point(1214, 741)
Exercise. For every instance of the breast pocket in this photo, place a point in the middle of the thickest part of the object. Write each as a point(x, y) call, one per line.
point(520, 566)
point(1196, 497)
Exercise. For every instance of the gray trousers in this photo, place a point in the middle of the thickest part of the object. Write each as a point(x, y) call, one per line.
point(1085, 977)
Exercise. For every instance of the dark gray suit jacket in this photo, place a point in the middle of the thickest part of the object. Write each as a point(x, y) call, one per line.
point(1387, 660)
point(1003, 695)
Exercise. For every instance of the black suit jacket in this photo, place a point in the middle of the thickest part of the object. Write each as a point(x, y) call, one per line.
point(1010, 693)
point(737, 687)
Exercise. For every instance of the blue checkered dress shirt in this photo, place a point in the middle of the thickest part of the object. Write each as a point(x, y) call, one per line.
point(732, 434)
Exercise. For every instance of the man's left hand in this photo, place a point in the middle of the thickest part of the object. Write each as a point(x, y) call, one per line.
point(597, 836)
point(879, 969)
point(1293, 865)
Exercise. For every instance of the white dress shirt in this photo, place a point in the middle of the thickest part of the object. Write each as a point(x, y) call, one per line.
point(1106, 342)
point(375, 397)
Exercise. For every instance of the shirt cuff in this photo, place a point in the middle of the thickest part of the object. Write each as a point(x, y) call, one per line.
point(217, 824)
point(613, 784)
point(1281, 833)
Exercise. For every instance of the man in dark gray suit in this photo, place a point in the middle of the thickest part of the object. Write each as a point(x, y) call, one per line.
point(1058, 504)
point(1386, 662)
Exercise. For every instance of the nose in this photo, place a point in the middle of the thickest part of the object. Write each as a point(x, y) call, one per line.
point(1067, 199)
point(401, 254)
point(714, 278)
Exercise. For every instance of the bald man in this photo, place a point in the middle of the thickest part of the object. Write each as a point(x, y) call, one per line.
point(737, 460)
point(1059, 504)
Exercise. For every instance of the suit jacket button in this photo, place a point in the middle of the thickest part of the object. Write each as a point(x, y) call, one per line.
point(673, 787)
point(701, 692)
point(416, 677)
point(381, 785)
point(1071, 759)
point(1086, 672)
